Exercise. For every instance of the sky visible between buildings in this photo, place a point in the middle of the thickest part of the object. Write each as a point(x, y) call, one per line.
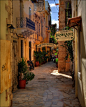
point(54, 11)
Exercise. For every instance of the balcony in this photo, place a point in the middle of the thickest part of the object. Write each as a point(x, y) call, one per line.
point(24, 22)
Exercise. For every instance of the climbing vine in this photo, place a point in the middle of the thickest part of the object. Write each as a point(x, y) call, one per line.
point(69, 49)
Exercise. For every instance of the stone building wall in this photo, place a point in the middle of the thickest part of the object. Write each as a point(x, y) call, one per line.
point(79, 9)
point(62, 65)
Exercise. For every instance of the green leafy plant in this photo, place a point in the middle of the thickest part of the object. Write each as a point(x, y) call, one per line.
point(53, 39)
point(23, 69)
point(41, 56)
point(36, 55)
point(69, 49)
point(29, 76)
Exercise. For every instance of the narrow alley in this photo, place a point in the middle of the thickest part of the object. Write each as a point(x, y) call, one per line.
point(48, 89)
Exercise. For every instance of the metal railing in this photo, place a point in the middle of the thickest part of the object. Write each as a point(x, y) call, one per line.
point(24, 22)
point(21, 22)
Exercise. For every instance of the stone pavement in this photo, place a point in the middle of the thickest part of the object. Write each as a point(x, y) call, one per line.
point(48, 89)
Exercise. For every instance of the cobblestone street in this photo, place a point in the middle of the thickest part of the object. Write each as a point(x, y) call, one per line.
point(48, 89)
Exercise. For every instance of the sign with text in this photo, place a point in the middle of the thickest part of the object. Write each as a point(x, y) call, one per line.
point(47, 44)
point(64, 35)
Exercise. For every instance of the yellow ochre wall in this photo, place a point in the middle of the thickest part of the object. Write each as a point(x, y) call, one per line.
point(3, 16)
point(3, 32)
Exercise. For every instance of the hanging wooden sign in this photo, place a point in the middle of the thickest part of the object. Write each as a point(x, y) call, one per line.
point(47, 44)
point(64, 35)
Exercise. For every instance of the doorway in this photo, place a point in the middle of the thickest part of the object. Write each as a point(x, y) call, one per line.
point(30, 50)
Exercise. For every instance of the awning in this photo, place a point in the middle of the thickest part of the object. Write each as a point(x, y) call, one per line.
point(74, 21)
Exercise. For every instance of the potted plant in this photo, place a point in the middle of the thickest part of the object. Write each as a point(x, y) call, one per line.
point(44, 56)
point(40, 58)
point(24, 74)
point(57, 62)
point(36, 58)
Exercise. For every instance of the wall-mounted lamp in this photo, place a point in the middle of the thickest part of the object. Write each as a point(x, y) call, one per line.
point(10, 26)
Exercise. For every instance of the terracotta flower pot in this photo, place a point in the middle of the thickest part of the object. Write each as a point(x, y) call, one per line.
point(22, 84)
point(37, 63)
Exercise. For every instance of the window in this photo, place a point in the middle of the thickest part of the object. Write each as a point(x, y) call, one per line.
point(68, 12)
point(37, 30)
point(68, 5)
point(36, 47)
point(30, 50)
point(41, 28)
point(29, 12)
point(21, 48)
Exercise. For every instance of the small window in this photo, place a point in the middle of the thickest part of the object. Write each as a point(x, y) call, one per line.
point(68, 11)
point(29, 12)
point(36, 47)
point(41, 28)
point(68, 5)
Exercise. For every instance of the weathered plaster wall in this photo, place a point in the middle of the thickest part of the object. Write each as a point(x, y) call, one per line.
point(82, 33)
point(3, 19)
point(5, 85)
point(28, 4)
point(80, 51)
point(16, 11)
